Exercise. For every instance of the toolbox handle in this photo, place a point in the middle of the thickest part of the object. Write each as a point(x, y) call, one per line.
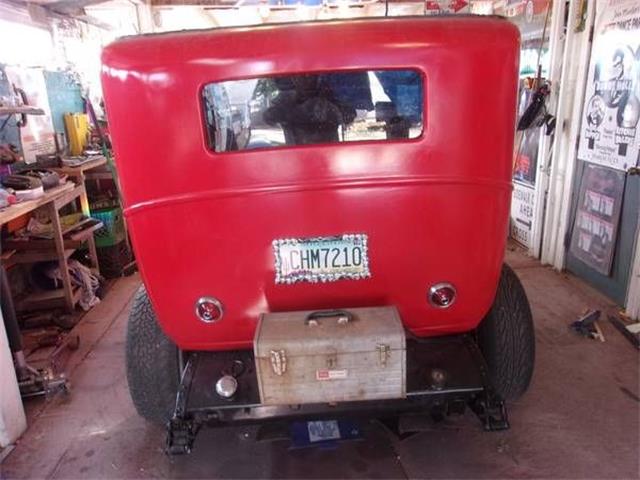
point(344, 316)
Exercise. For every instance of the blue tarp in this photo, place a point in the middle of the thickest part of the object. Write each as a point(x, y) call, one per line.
point(351, 88)
point(404, 89)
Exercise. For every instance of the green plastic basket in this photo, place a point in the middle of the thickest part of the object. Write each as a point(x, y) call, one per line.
point(113, 231)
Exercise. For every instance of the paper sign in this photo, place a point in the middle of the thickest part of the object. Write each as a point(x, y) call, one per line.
point(522, 207)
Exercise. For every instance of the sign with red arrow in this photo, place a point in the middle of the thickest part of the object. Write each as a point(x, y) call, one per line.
point(434, 7)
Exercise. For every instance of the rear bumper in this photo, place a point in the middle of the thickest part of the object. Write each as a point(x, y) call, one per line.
point(444, 375)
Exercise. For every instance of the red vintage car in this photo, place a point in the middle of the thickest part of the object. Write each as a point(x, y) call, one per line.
point(319, 212)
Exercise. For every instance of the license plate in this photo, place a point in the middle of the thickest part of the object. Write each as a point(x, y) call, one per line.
point(323, 430)
point(321, 433)
point(321, 259)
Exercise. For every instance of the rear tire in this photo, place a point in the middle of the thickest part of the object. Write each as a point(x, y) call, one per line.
point(507, 339)
point(152, 363)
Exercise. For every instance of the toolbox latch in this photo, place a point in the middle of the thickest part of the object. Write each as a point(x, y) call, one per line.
point(385, 352)
point(278, 362)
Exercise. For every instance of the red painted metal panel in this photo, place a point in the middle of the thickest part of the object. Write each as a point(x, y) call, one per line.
point(435, 208)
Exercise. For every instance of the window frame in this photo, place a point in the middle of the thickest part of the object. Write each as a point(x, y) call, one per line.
point(210, 145)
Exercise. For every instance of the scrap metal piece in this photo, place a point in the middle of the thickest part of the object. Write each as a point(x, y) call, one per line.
point(587, 325)
point(599, 335)
point(42, 382)
point(622, 328)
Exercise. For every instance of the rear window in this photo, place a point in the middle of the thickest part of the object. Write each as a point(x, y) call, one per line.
point(333, 107)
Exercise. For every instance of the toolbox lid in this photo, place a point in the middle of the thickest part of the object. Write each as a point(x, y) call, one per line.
point(318, 332)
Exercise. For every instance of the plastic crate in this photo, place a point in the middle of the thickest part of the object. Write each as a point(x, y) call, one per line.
point(113, 231)
point(114, 259)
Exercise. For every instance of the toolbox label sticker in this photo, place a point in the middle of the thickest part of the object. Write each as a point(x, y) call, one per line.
point(326, 374)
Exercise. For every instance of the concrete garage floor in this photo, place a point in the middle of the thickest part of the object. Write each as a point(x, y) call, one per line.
point(580, 418)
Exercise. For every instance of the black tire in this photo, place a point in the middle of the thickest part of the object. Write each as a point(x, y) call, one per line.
point(152, 363)
point(507, 339)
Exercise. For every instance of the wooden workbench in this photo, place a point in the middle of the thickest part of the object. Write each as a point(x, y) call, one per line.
point(78, 175)
point(17, 210)
point(53, 200)
point(79, 170)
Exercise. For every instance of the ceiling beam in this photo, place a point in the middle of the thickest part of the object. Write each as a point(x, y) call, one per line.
point(71, 6)
point(195, 3)
point(40, 13)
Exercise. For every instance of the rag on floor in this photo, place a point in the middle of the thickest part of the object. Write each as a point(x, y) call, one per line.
point(82, 277)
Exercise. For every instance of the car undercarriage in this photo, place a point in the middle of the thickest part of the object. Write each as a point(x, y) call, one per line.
point(445, 375)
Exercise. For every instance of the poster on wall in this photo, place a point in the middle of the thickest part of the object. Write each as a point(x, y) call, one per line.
point(526, 166)
point(595, 226)
point(610, 134)
point(38, 135)
point(528, 15)
point(523, 198)
point(526, 163)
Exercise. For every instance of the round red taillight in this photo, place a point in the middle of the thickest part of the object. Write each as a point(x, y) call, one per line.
point(209, 309)
point(442, 295)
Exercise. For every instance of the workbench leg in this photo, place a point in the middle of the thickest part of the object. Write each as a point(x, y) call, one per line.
point(62, 259)
point(84, 206)
point(84, 199)
point(93, 254)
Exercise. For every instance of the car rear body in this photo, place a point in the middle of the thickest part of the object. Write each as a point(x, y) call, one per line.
point(433, 208)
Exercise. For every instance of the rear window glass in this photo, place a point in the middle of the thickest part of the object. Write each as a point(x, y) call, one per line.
point(304, 109)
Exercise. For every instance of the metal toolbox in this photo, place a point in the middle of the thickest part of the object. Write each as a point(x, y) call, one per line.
point(330, 356)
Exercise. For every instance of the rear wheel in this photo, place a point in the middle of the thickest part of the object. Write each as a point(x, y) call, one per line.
point(506, 338)
point(152, 363)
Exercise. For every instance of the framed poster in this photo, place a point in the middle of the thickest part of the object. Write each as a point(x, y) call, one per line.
point(38, 135)
point(609, 133)
point(595, 227)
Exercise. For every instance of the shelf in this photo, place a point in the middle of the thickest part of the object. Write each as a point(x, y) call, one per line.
point(23, 110)
point(99, 176)
point(46, 299)
point(18, 209)
point(82, 235)
point(68, 197)
point(41, 250)
point(90, 224)
point(38, 244)
point(79, 169)
point(75, 233)
point(39, 256)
